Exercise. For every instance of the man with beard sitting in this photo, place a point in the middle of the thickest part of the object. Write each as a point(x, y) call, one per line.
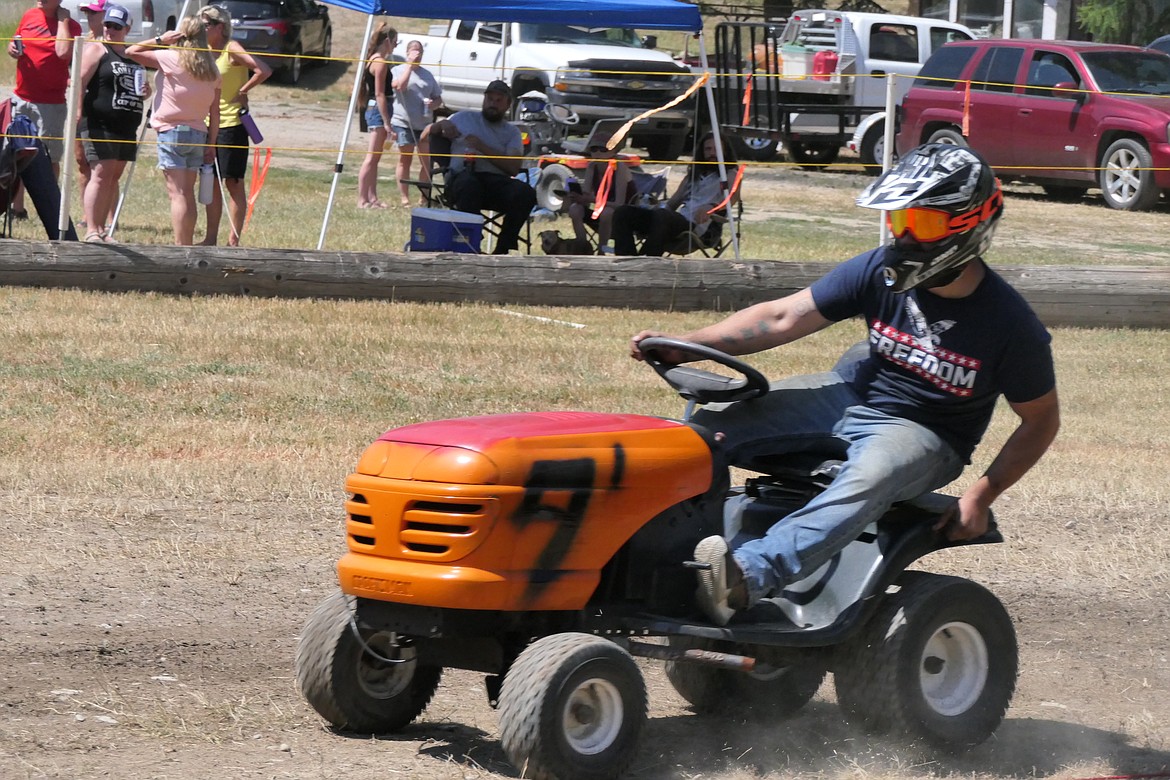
point(486, 152)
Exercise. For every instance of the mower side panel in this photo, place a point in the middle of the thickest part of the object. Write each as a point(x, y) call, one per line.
point(538, 505)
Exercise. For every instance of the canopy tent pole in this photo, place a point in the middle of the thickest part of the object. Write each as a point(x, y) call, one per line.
point(710, 91)
point(340, 164)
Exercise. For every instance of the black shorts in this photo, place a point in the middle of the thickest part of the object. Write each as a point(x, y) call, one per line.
point(232, 151)
point(101, 143)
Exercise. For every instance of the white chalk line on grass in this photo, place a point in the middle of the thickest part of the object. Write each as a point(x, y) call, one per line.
point(539, 318)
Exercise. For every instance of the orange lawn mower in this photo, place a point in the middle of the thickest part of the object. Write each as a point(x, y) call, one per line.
point(548, 550)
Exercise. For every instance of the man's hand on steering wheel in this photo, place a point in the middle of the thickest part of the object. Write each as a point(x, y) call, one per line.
point(672, 356)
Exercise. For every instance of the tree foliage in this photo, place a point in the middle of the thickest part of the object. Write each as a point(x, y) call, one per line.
point(1124, 21)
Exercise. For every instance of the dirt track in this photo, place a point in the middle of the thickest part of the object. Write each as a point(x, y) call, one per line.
point(126, 654)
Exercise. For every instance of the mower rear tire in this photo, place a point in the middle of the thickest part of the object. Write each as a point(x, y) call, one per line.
point(767, 691)
point(352, 688)
point(937, 662)
point(572, 707)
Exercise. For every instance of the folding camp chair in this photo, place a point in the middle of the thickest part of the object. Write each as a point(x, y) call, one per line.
point(713, 242)
point(435, 195)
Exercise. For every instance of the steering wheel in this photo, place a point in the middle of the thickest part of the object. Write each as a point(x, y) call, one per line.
point(562, 115)
point(695, 384)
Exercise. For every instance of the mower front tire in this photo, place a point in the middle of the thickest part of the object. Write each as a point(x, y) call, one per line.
point(936, 662)
point(371, 685)
point(572, 708)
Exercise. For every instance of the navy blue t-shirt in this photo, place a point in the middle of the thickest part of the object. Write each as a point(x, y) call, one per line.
point(941, 362)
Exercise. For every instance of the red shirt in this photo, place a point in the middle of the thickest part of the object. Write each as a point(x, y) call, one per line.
point(42, 76)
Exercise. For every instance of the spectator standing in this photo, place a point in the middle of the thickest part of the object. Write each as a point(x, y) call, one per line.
point(185, 113)
point(42, 74)
point(486, 152)
point(378, 94)
point(94, 13)
point(417, 93)
point(699, 192)
point(111, 110)
point(241, 73)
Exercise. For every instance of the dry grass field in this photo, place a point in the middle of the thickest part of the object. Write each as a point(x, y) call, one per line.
point(171, 476)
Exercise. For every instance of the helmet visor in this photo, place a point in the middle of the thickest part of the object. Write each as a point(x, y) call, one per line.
point(935, 225)
point(923, 224)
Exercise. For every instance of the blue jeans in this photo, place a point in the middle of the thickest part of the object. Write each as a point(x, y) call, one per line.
point(889, 459)
point(181, 147)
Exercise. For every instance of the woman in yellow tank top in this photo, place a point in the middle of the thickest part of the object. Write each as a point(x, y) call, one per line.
point(241, 72)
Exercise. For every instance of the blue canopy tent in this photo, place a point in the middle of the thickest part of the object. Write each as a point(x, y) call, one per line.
point(641, 14)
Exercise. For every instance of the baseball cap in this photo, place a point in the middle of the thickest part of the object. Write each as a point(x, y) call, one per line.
point(97, 6)
point(499, 86)
point(117, 14)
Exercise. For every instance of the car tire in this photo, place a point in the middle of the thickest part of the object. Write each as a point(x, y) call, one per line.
point(948, 135)
point(351, 687)
point(554, 179)
point(937, 662)
point(665, 148)
point(812, 156)
point(1127, 176)
point(758, 149)
point(326, 49)
point(291, 74)
point(572, 706)
point(872, 149)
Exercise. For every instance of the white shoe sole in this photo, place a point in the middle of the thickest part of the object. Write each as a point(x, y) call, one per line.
point(713, 591)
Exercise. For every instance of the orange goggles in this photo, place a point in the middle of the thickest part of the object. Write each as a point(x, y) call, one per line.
point(934, 225)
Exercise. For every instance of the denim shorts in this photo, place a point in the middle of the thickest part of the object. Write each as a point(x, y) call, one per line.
point(404, 136)
point(181, 147)
point(373, 118)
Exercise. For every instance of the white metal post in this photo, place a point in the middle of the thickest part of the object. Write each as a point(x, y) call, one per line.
point(718, 141)
point(71, 97)
point(888, 151)
point(340, 164)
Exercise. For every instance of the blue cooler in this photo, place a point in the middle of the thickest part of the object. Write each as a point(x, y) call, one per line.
point(440, 230)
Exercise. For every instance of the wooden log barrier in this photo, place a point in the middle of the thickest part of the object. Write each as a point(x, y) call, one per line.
point(1076, 296)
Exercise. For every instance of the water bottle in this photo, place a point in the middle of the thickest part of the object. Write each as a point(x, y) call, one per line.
point(206, 183)
point(250, 127)
point(18, 44)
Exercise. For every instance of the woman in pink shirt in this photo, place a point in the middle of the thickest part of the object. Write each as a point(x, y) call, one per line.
point(185, 113)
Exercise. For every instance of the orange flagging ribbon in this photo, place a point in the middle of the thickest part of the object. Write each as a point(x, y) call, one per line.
point(747, 99)
point(617, 138)
point(730, 193)
point(967, 111)
point(259, 174)
point(604, 188)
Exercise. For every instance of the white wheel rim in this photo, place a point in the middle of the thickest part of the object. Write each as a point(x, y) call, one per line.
point(592, 716)
point(1122, 178)
point(381, 680)
point(953, 669)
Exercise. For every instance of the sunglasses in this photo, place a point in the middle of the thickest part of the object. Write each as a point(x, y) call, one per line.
point(211, 22)
point(114, 26)
point(933, 225)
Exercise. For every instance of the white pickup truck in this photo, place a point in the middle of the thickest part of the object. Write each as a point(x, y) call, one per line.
point(820, 79)
point(595, 72)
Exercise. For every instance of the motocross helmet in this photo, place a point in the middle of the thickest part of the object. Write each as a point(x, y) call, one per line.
point(947, 199)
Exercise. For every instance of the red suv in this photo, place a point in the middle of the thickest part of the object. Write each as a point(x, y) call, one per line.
point(1067, 115)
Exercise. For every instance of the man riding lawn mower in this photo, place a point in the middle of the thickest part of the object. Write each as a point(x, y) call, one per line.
point(548, 549)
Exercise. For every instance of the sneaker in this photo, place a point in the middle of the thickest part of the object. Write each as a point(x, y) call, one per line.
point(721, 582)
